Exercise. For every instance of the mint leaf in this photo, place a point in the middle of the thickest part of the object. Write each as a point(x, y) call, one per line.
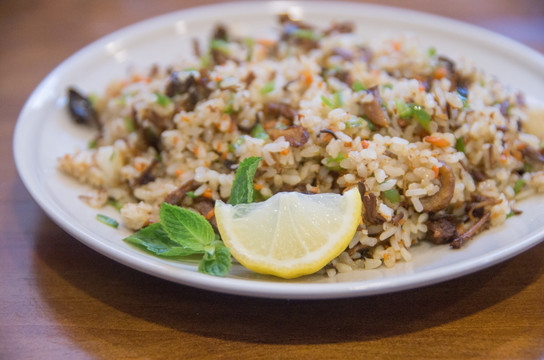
point(187, 228)
point(216, 260)
point(154, 239)
point(242, 188)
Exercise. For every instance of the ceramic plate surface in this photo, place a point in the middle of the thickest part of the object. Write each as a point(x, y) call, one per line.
point(44, 132)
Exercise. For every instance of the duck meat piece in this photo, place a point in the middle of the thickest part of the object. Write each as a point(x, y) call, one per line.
point(442, 230)
point(467, 235)
point(374, 109)
point(177, 196)
point(276, 109)
point(147, 175)
point(295, 135)
point(370, 205)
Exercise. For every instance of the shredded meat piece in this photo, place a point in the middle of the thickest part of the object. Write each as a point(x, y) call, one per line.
point(477, 175)
point(370, 204)
point(532, 154)
point(196, 89)
point(374, 110)
point(177, 196)
point(442, 230)
point(147, 175)
point(220, 33)
point(290, 33)
point(345, 27)
point(478, 204)
point(467, 235)
point(249, 79)
point(204, 206)
point(196, 47)
point(295, 135)
point(397, 218)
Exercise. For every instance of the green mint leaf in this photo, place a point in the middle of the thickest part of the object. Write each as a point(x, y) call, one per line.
point(153, 238)
point(186, 227)
point(216, 260)
point(242, 188)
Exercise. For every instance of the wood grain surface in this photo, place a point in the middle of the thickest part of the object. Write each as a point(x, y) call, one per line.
point(61, 300)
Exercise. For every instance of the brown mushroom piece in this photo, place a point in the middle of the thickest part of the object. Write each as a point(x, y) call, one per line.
point(443, 197)
point(295, 135)
point(81, 109)
point(374, 109)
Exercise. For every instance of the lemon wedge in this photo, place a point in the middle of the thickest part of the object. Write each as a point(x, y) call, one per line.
point(290, 234)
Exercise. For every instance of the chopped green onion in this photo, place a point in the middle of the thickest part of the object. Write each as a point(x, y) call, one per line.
point(370, 124)
point(205, 61)
point(129, 124)
point(121, 100)
point(518, 185)
point(162, 100)
point(403, 110)
point(510, 214)
point(229, 106)
point(220, 45)
point(116, 204)
point(422, 117)
point(392, 195)
point(460, 144)
point(305, 34)
point(431, 51)
point(93, 98)
point(354, 122)
point(338, 100)
point(358, 86)
point(527, 167)
point(92, 144)
point(259, 133)
point(267, 88)
point(112, 156)
point(236, 144)
point(327, 102)
point(191, 194)
point(387, 86)
point(107, 220)
point(250, 43)
point(337, 159)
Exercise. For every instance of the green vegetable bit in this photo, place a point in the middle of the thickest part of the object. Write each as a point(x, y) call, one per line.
point(354, 122)
point(335, 102)
point(460, 144)
point(519, 185)
point(267, 88)
point(107, 221)
point(129, 124)
point(358, 86)
point(305, 34)
point(236, 144)
point(162, 99)
point(510, 214)
point(422, 116)
point(250, 44)
point(387, 86)
point(431, 51)
point(392, 195)
point(403, 110)
point(259, 133)
point(242, 187)
point(92, 144)
point(116, 204)
point(229, 106)
point(220, 45)
point(191, 194)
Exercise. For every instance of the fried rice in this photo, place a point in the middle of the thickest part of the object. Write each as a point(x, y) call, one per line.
point(439, 149)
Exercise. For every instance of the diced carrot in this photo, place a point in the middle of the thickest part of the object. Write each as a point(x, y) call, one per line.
point(436, 171)
point(179, 172)
point(347, 144)
point(365, 144)
point(210, 214)
point(437, 141)
point(207, 193)
point(521, 146)
point(195, 150)
point(439, 73)
point(397, 45)
point(503, 159)
point(327, 137)
point(269, 124)
point(258, 186)
point(206, 163)
point(224, 155)
point(284, 152)
point(185, 118)
point(421, 88)
point(140, 166)
point(266, 42)
point(308, 78)
point(320, 84)
point(518, 155)
point(175, 140)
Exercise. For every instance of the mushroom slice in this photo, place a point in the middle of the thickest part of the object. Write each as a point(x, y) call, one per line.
point(295, 135)
point(374, 109)
point(443, 197)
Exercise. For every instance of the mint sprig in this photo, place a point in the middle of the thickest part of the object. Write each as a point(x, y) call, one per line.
point(242, 187)
point(181, 232)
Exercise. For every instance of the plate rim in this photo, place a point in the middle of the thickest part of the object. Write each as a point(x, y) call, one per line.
point(251, 287)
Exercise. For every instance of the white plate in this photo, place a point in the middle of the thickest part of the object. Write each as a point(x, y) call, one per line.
point(44, 132)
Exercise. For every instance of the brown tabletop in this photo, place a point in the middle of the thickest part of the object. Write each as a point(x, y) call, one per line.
point(60, 299)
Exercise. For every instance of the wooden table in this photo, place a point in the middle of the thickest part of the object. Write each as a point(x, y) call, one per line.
point(61, 300)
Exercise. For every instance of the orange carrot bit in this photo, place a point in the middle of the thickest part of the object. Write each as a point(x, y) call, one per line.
point(179, 172)
point(347, 144)
point(218, 147)
point(207, 193)
point(320, 84)
point(503, 159)
point(269, 124)
point(140, 166)
point(195, 151)
point(397, 45)
point(365, 144)
point(175, 140)
point(518, 155)
point(437, 141)
point(210, 214)
point(266, 42)
point(521, 146)
point(421, 88)
point(218, 78)
point(224, 155)
point(308, 78)
point(258, 186)
point(206, 163)
point(186, 119)
point(284, 152)
point(439, 73)
point(436, 170)
point(327, 137)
